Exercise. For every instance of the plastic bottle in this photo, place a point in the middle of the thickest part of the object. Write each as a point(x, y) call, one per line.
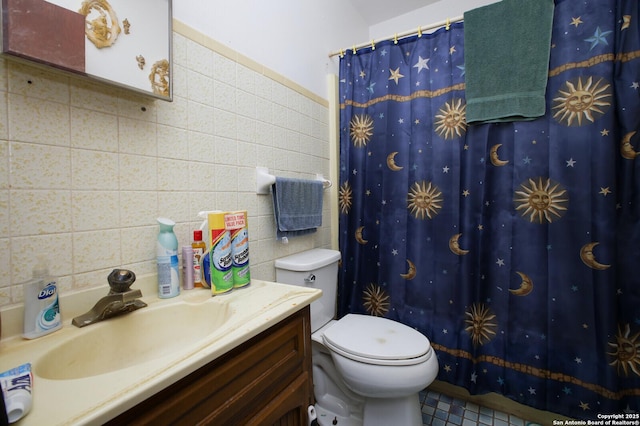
point(41, 306)
point(187, 267)
point(167, 258)
point(199, 249)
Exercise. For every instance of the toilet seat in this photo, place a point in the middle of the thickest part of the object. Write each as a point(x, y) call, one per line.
point(375, 340)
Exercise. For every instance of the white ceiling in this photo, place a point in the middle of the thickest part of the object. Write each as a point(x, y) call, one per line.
point(376, 11)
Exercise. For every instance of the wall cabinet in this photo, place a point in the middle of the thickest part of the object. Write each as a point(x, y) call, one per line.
point(264, 381)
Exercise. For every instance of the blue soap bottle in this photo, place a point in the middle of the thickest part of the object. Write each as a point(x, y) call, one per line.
point(41, 305)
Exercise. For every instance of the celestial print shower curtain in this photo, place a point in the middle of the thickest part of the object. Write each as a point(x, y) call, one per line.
point(514, 247)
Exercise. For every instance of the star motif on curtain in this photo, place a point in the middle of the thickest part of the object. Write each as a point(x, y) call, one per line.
point(395, 75)
point(571, 162)
point(604, 132)
point(584, 406)
point(605, 191)
point(452, 50)
point(370, 87)
point(576, 21)
point(599, 37)
point(422, 64)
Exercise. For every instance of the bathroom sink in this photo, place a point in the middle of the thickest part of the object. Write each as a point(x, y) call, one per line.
point(131, 339)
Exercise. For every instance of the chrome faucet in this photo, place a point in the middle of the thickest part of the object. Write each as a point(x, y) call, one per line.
point(120, 300)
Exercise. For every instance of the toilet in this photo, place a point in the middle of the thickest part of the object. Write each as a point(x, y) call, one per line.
point(367, 370)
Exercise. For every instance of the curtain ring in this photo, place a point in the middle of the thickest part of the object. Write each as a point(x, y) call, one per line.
point(353, 50)
point(447, 25)
point(419, 32)
point(373, 45)
point(395, 39)
point(341, 53)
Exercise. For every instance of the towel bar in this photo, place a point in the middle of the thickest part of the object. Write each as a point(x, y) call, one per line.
point(264, 180)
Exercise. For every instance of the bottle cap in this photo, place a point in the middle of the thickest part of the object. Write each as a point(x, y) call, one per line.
point(197, 235)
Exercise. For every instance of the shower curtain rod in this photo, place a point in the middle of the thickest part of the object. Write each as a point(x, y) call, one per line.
point(398, 36)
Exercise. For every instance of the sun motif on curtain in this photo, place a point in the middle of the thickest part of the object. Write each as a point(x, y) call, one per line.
point(582, 100)
point(345, 198)
point(451, 120)
point(361, 130)
point(425, 199)
point(375, 300)
point(626, 352)
point(480, 324)
point(541, 200)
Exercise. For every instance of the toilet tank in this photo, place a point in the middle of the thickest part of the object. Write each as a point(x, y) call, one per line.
point(316, 268)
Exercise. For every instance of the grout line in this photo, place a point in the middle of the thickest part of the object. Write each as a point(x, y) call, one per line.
point(442, 410)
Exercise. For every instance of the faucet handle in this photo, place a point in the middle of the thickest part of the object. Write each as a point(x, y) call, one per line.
point(120, 280)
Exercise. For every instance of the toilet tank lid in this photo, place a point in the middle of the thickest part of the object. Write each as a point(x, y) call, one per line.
point(308, 260)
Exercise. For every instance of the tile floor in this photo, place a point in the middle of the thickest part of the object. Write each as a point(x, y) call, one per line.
point(442, 410)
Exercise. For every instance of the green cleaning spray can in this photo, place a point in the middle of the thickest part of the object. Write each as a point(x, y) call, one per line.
point(221, 275)
point(236, 223)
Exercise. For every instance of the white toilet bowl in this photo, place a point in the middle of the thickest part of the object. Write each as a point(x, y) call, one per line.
point(366, 370)
point(383, 361)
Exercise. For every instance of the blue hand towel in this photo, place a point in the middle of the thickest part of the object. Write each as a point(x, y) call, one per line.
point(297, 206)
point(506, 55)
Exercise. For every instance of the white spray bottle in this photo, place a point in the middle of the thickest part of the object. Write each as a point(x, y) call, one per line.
point(167, 258)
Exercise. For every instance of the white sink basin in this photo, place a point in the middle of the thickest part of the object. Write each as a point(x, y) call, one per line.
point(140, 336)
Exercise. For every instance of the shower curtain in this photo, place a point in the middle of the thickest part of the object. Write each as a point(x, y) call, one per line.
point(513, 247)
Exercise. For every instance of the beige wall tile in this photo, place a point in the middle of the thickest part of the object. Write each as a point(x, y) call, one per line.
point(86, 168)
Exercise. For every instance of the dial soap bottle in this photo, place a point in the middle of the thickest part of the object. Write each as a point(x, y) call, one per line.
point(41, 306)
point(167, 259)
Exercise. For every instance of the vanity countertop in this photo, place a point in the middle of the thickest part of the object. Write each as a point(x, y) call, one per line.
point(94, 399)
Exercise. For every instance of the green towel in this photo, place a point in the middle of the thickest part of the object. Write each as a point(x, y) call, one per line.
point(506, 56)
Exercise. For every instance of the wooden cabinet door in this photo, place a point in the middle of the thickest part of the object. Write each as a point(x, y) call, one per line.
point(266, 380)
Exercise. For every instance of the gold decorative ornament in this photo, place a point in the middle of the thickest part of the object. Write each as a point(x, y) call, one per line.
point(159, 77)
point(101, 22)
point(141, 61)
point(126, 26)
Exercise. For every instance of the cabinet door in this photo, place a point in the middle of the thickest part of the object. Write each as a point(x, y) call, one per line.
point(263, 379)
point(289, 408)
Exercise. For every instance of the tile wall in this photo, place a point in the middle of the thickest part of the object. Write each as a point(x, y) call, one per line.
point(86, 168)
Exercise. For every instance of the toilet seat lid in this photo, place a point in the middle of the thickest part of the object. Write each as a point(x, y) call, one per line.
point(377, 340)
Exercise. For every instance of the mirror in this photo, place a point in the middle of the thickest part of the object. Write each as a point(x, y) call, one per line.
point(123, 42)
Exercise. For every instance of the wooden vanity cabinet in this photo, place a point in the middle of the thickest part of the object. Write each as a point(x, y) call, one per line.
point(264, 381)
